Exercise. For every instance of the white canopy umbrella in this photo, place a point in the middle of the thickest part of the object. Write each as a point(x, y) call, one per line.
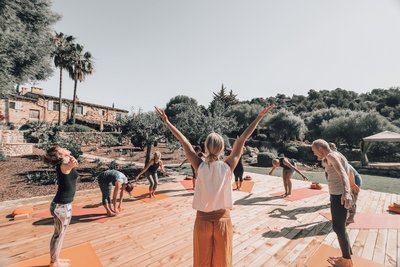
point(385, 136)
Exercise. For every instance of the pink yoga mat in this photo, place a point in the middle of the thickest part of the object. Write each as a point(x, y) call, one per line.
point(318, 259)
point(187, 184)
point(82, 255)
point(300, 193)
point(247, 186)
point(371, 221)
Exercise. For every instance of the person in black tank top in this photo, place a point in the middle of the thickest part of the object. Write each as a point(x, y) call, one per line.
point(61, 206)
point(238, 171)
point(288, 169)
point(151, 173)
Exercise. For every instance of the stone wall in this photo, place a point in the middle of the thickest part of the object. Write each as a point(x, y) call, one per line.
point(15, 150)
point(93, 138)
point(12, 144)
point(11, 136)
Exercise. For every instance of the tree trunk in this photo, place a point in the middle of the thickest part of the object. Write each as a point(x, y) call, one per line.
point(74, 103)
point(60, 98)
point(148, 151)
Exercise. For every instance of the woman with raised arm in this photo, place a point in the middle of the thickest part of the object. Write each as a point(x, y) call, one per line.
point(212, 234)
point(61, 206)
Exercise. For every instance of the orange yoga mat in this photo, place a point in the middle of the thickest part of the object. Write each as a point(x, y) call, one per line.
point(318, 259)
point(97, 214)
point(82, 255)
point(187, 184)
point(142, 193)
point(371, 221)
point(300, 193)
point(247, 186)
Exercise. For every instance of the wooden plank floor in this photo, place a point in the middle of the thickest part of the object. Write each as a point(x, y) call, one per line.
point(268, 231)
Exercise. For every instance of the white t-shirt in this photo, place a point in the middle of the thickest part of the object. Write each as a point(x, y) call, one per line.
point(213, 187)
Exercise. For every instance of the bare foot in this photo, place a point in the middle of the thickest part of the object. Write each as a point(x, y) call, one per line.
point(60, 264)
point(150, 195)
point(340, 262)
point(239, 189)
point(111, 214)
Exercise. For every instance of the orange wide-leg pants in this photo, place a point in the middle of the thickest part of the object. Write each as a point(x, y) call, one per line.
point(212, 239)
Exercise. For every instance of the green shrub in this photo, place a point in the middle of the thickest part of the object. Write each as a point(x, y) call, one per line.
point(98, 163)
point(384, 152)
point(2, 156)
point(226, 142)
point(305, 154)
point(39, 131)
point(72, 146)
point(262, 137)
point(110, 140)
point(113, 165)
point(75, 128)
point(291, 151)
point(264, 159)
point(41, 178)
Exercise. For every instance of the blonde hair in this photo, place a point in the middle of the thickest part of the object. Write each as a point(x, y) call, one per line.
point(158, 153)
point(321, 143)
point(214, 145)
point(52, 156)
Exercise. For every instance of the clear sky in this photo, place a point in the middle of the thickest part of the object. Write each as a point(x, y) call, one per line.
point(148, 51)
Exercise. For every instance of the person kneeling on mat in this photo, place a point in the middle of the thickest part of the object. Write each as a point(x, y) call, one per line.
point(115, 178)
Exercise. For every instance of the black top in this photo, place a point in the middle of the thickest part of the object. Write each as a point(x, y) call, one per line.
point(153, 168)
point(292, 161)
point(239, 167)
point(66, 186)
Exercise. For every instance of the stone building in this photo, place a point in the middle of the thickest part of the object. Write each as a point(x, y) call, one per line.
point(30, 105)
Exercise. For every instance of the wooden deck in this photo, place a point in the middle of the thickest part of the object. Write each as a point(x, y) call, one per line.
point(268, 231)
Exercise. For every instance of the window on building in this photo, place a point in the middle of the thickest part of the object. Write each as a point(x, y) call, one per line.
point(34, 114)
point(102, 112)
point(55, 105)
point(12, 105)
point(79, 109)
point(118, 116)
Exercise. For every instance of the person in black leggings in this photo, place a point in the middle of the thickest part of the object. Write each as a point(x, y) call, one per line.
point(340, 186)
point(61, 206)
point(151, 173)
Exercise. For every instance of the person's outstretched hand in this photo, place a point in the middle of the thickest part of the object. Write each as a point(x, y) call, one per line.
point(162, 114)
point(265, 111)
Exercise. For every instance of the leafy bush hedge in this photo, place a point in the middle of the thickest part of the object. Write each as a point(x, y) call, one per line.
point(76, 128)
point(264, 159)
point(41, 178)
point(72, 146)
point(110, 140)
point(2, 156)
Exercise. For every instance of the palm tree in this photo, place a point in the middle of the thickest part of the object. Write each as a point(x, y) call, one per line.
point(81, 65)
point(62, 58)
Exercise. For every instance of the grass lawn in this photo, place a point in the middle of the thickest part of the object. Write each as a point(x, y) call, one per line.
point(376, 183)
